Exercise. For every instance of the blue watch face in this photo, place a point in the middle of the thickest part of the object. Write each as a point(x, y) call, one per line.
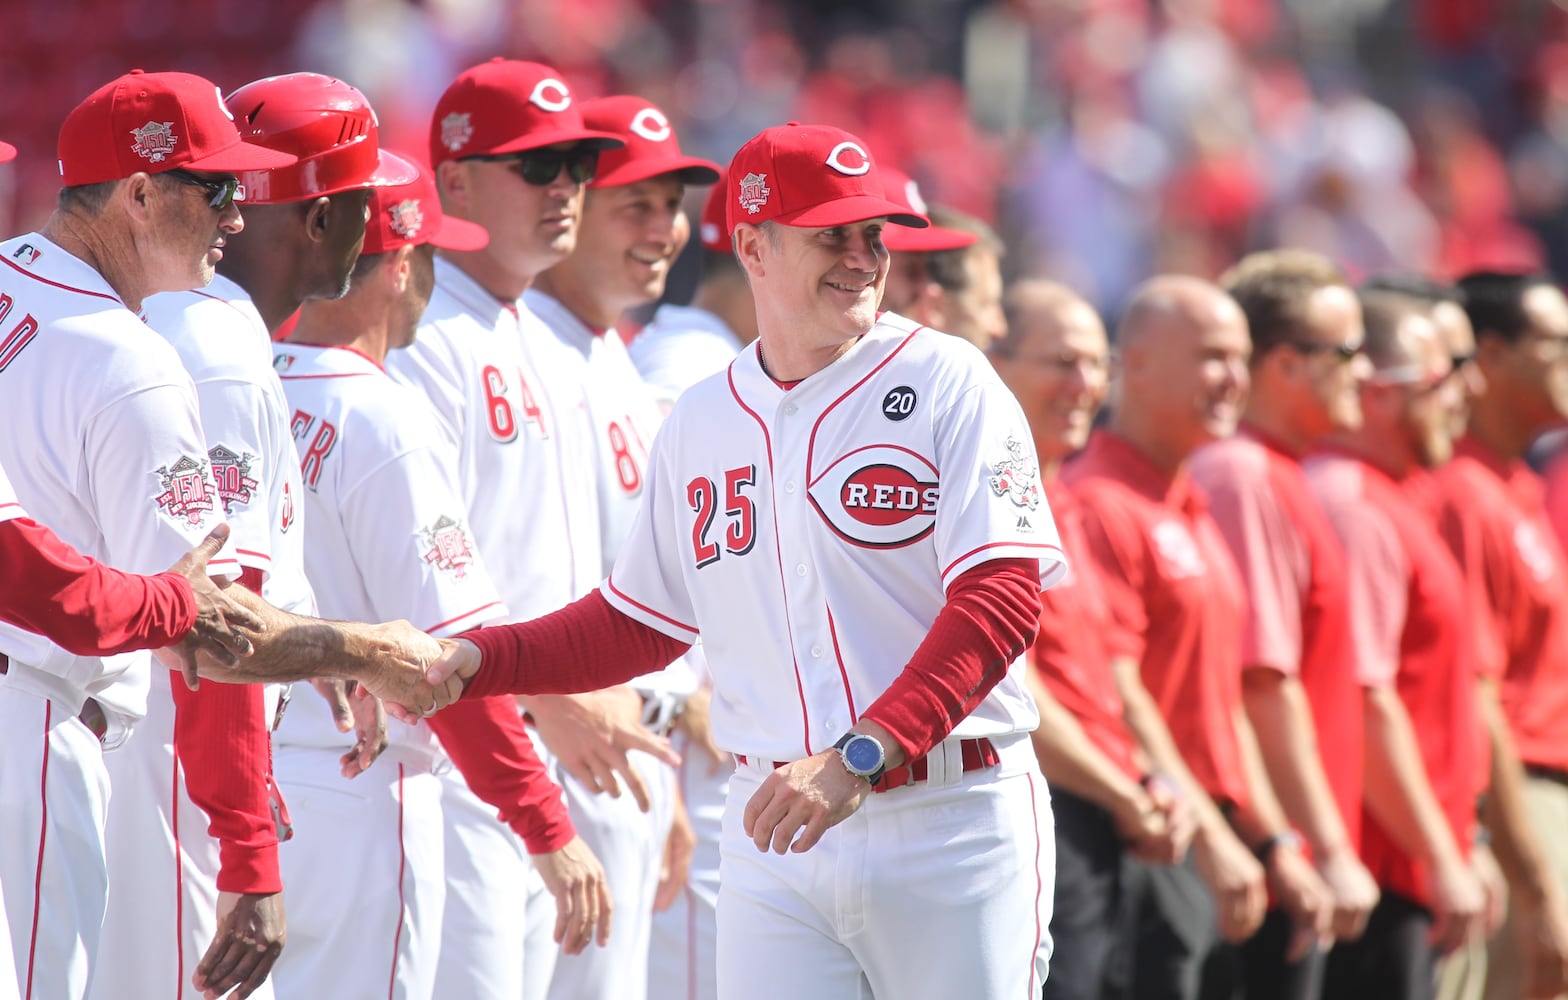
point(863, 754)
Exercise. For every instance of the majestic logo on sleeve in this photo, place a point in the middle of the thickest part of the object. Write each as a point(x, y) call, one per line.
point(879, 496)
point(185, 495)
point(154, 141)
point(447, 547)
point(754, 192)
point(456, 129)
point(231, 472)
point(1017, 477)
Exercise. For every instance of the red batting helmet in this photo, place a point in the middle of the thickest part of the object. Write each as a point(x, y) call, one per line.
point(328, 124)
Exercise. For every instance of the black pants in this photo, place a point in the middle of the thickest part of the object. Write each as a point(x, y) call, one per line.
point(1265, 972)
point(1393, 960)
point(1177, 950)
point(1090, 919)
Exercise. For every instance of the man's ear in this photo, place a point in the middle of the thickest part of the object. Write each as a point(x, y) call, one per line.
point(930, 307)
point(452, 186)
point(403, 267)
point(318, 219)
point(748, 242)
point(135, 195)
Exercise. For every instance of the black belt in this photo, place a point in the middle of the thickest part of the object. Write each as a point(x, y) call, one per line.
point(1545, 773)
point(91, 715)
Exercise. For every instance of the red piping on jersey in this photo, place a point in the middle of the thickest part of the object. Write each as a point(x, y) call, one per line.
point(7, 506)
point(38, 872)
point(610, 582)
point(1011, 545)
point(179, 879)
point(778, 551)
point(402, 863)
point(255, 555)
point(466, 614)
point(342, 347)
point(300, 378)
point(55, 284)
point(849, 696)
point(1039, 887)
point(811, 443)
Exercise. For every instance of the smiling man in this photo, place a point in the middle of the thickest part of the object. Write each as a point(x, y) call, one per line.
point(632, 228)
point(850, 517)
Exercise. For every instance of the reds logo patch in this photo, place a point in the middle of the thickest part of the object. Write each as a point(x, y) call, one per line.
point(406, 219)
point(231, 472)
point(447, 547)
point(456, 129)
point(1017, 477)
point(651, 124)
point(880, 496)
point(154, 141)
point(754, 192)
point(550, 94)
point(185, 495)
point(849, 159)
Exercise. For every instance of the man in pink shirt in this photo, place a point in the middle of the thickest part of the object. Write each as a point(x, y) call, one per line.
point(1178, 604)
point(1409, 637)
point(1113, 808)
point(1299, 688)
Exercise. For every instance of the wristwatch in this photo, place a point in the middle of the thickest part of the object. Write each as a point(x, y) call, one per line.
point(863, 756)
point(1287, 838)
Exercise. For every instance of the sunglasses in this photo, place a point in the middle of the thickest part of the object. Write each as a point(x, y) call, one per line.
point(540, 167)
point(1344, 352)
point(221, 191)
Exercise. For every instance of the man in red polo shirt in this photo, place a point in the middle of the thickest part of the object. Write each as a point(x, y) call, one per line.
point(1178, 605)
point(1299, 688)
point(1409, 637)
point(1495, 520)
point(1112, 809)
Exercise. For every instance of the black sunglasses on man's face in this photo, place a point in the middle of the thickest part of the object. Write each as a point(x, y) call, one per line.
point(540, 167)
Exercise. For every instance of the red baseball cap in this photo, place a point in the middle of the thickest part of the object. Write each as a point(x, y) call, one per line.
point(809, 175)
point(329, 128)
point(713, 229)
point(405, 214)
point(901, 187)
point(153, 122)
point(651, 149)
point(507, 106)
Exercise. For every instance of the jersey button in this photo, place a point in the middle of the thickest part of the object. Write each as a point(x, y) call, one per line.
point(816, 651)
point(790, 409)
point(800, 569)
point(789, 487)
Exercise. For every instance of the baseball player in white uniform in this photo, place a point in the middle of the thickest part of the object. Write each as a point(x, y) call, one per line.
point(119, 462)
point(224, 344)
point(682, 345)
point(392, 538)
point(851, 518)
point(511, 152)
point(632, 229)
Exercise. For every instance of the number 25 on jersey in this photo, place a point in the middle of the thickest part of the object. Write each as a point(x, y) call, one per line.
point(740, 531)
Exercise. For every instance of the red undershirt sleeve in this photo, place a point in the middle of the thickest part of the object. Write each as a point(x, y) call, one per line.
point(991, 616)
point(487, 741)
point(585, 646)
point(222, 741)
point(82, 605)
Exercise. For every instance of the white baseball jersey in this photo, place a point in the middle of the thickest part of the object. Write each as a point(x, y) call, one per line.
point(809, 535)
point(625, 418)
point(102, 435)
point(681, 346)
point(487, 369)
point(390, 537)
point(223, 343)
point(10, 506)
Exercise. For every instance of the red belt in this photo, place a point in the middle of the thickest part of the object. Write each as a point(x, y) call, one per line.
point(91, 714)
point(975, 753)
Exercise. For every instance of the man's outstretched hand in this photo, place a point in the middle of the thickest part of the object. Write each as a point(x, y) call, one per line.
point(445, 673)
point(217, 634)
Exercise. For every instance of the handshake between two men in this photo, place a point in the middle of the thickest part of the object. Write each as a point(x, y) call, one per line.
point(239, 638)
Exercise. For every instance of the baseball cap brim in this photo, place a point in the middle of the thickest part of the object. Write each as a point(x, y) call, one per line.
point(931, 239)
point(689, 169)
point(240, 156)
point(459, 234)
point(551, 137)
point(856, 208)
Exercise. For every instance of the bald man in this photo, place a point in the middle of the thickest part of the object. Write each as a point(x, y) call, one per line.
point(1178, 607)
point(1115, 809)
